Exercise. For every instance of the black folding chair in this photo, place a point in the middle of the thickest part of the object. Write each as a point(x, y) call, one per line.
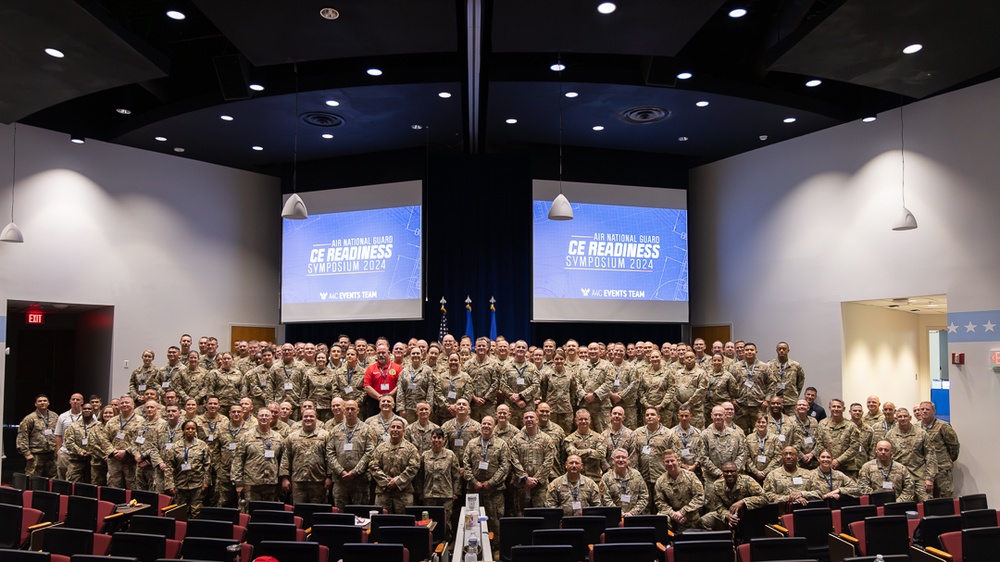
point(333, 519)
point(630, 551)
point(979, 518)
point(208, 528)
point(551, 515)
point(367, 552)
point(151, 525)
point(306, 511)
point(145, 548)
point(515, 531)
point(969, 502)
point(778, 548)
point(575, 538)
point(542, 553)
point(289, 551)
point(593, 526)
point(388, 520)
point(613, 514)
point(416, 540)
point(334, 537)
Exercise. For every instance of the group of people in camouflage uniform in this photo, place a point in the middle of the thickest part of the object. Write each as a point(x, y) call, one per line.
point(677, 430)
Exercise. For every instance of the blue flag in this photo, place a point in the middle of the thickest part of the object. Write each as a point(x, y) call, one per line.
point(493, 320)
point(469, 331)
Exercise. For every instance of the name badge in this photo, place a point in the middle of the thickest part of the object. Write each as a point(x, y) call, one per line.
point(210, 438)
point(348, 446)
point(84, 441)
point(483, 465)
point(120, 435)
point(685, 452)
point(384, 386)
point(577, 506)
point(185, 466)
point(287, 386)
point(166, 384)
point(47, 432)
point(886, 485)
point(781, 386)
point(762, 458)
point(232, 446)
point(452, 395)
point(520, 382)
point(142, 388)
point(781, 438)
point(645, 450)
point(348, 390)
point(460, 442)
point(140, 439)
point(268, 454)
point(385, 437)
point(748, 384)
point(797, 480)
point(168, 446)
point(808, 440)
point(626, 498)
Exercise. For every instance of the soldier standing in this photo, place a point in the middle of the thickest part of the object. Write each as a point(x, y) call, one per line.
point(394, 466)
point(679, 494)
point(535, 453)
point(623, 486)
point(487, 464)
point(36, 439)
point(441, 475)
point(348, 455)
point(255, 463)
point(87, 444)
point(188, 475)
point(303, 468)
point(122, 430)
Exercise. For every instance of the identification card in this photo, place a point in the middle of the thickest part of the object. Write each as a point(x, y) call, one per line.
point(348, 390)
point(47, 432)
point(166, 384)
point(781, 386)
point(140, 439)
point(142, 388)
point(483, 465)
point(168, 446)
point(781, 438)
point(185, 466)
point(384, 386)
point(685, 452)
point(348, 446)
point(646, 450)
point(808, 440)
point(797, 480)
point(210, 438)
point(385, 437)
point(748, 384)
point(452, 395)
point(886, 485)
point(268, 454)
point(577, 506)
point(120, 435)
point(84, 441)
point(287, 386)
point(762, 458)
point(520, 382)
point(460, 442)
point(618, 382)
point(232, 446)
point(626, 498)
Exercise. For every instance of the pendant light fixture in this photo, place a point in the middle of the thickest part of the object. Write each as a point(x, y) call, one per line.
point(560, 210)
point(295, 207)
point(11, 233)
point(906, 220)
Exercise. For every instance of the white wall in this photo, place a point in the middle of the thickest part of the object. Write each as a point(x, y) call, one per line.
point(783, 235)
point(881, 350)
point(175, 245)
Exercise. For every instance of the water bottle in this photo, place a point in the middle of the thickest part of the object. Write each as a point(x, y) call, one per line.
point(472, 549)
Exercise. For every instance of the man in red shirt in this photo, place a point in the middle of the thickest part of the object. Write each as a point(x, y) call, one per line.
point(381, 378)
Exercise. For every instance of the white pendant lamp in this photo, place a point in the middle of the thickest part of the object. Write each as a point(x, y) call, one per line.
point(906, 220)
point(560, 210)
point(11, 233)
point(295, 207)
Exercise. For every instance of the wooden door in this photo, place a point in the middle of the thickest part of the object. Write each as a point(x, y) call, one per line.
point(720, 332)
point(259, 333)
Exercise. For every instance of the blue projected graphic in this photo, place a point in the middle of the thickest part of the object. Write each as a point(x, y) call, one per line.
point(369, 255)
point(611, 253)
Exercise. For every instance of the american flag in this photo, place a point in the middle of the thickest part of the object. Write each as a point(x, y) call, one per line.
point(443, 330)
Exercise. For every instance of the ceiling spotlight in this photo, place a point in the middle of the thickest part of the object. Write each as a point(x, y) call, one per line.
point(54, 53)
point(606, 7)
point(598, 127)
point(763, 137)
point(416, 127)
point(332, 103)
point(737, 13)
point(869, 119)
point(327, 136)
point(124, 111)
point(257, 148)
point(789, 120)
point(910, 49)
point(178, 149)
point(226, 117)
point(557, 67)
point(257, 87)
point(511, 121)
point(813, 83)
point(329, 13)
point(444, 95)
point(682, 139)
point(175, 15)
point(684, 75)
point(374, 72)
point(702, 103)
point(76, 139)
point(160, 139)
point(572, 94)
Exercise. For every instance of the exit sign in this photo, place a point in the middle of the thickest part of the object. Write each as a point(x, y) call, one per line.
point(36, 317)
point(995, 359)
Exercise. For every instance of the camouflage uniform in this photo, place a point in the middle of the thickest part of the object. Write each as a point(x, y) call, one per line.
point(191, 383)
point(459, 435)
point(228, 386)
point(446, 389)
point(911, 449)
point(188, 473)
point(536, 455)
point(628, 492)
point(685, 444)
point(222, 464)
point(141, 379)
point(442, 481)
point(36, 437)
point(414, 386)
point(380, 427)
point(286, 383)
point(654, 387)
point(303, 461)
point(942, 439)
point(572, 499)
point(804, 439)
point(625, 383)
point(255, 464)
point(865, 450)
point(756, 384)
point(789, 381)
point(525, 381)
point(209, 363)
point(592, 449)
point(281, 427)
point(690, 388)
point(558, 436)
point(879, 431)
point(121, 434)
point(244, 364)
point(615, 440)
point(559, 391)
point(167, 376)
point(779, 485)
point(485, 377)
point(871, 420)
point(824, 483)
point(350, 384)
point(350, 450)
point(398, 463)
point(721, 387)
point(491, 465)
point(763, 455)
point(80, 438)
point(647, 453)
point(783, 428)
point(684, 494)
point(150, 477)
point(317, 385)
point(841, 439)
point(873, 476)
point(420, 435)
point(717, 447)
point(721, 497)
point(594, 378)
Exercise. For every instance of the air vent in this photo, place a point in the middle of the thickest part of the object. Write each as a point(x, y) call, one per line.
point(322, 119)
point(644, 114)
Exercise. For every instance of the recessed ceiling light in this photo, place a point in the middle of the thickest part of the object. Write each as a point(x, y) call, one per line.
point(374, 72)
point(178, 149)
point(869, 119)
point(598, 127)
point(124, 111)
point(160, 139)
point(572, 94)
point(606, 7)
point(175, 15)
point(737, 13)
point(76, 139)
point(327, 136)
point(226, 117)
point(763, 137)
point(813, 83)
point(417, 127)
point(329, 13)
point(702, 103)
point(511, 121)
point(684, 75)
point(444, 95)
point(257, 148)
point(910, 49)
point(789, 120)
point(682, 139)
point(257, 87)
point(558, 67)
point(55, 53)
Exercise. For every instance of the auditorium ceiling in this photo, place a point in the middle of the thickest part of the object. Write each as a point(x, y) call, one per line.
point(247, 83)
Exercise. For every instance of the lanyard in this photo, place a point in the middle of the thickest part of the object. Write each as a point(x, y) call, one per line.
point(685, 437)
point(212, 426)
point(760, 443)
point(650, 436)
point(486, 447)
point(575, 490)
point(780, 423)
point(170, 434)
point(287, 376)
point(461, 429)
point(615, 440)
point(413, 377)
point(887, 473)
point(76, 419)
point(186, 450)
point(520, 372)
point(782, 367)
point(350, 434)
point(828, 478)
point(121, 424)
point(749, 371)
point(623, 482)
point(266, 441)
point(350, 374)
point(382, 375)
point(385, 425)
point(804, 426)
point(233, 434)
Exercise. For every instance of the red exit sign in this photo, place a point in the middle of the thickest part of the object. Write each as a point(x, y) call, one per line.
point(36, 317)
point(995, 358)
